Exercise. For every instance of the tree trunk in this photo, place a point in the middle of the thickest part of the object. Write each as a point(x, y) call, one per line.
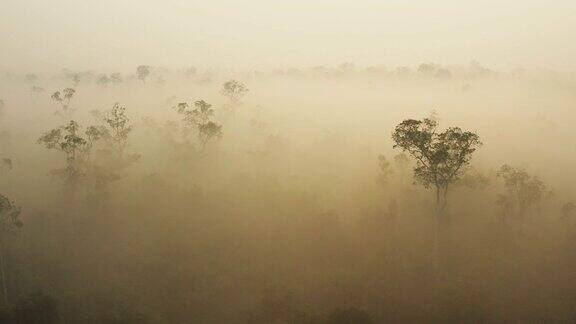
point(437, 199)
point(442, 211)
point(3, 275)
point(439, 226)
point(436, 237)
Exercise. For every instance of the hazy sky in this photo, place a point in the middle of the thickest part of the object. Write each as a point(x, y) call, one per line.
point(120, 34)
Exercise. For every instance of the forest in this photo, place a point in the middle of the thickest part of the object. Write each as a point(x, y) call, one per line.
point(333, 194)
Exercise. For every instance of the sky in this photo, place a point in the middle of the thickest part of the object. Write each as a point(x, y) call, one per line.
point(112, 35)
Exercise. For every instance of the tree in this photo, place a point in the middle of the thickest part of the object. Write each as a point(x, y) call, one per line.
point(115, 130)
point(113, 135)
point(142, 72)
point(474, 179)
point(441, 157)
point(69, 140)
point(6, 164)
point(199, 120)
point(428, 68)
point(386, 170)
point(524, 192)
point(208, 132)
point(234, 91)
point(36, 91)
point(116, 78)
point(63, 98)
point(31, 78)
point(568, 209)
point(401, 162)
point(9, 223)
point(103, 80)
point(75, 78)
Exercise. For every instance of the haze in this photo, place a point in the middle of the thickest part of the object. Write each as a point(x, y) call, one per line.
point(110, 34)
point(302, 162)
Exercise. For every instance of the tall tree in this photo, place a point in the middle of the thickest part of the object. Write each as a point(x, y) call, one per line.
point(441, 157)
point(75, 145)
point(524, 192)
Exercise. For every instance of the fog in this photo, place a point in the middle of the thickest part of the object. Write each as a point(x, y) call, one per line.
point(302, 162)
point(111, 35)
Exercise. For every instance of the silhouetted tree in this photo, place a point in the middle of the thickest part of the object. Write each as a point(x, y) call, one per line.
point(36, 91)
point(103, 80)
point(428, 69)
point(142, 72)
point(524, 192)
point(568, 209)
point(31, 78)
point(116, 78)
point(198, 119)
point(63, 98)
point(441, 157)
point(234, 91)
point(115, 130)
point(386, 170)
point(69, 140)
